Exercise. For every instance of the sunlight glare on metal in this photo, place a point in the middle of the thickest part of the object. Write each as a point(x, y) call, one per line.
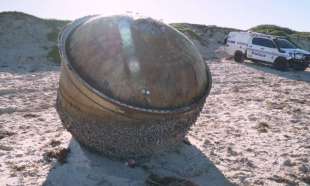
point(128, 45)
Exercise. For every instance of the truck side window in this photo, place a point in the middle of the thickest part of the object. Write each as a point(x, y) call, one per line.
point(263, 42)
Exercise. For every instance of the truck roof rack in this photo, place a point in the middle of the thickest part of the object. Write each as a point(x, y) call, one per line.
point(261, 35)
point(266, 35)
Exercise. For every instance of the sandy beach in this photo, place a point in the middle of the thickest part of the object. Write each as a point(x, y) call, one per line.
point(253, 130)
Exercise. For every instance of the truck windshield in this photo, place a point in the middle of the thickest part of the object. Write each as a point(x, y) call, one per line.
point(283, 43)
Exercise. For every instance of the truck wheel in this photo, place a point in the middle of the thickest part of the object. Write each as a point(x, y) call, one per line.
point(239, 57)
point(281, 64)
point(299, 66)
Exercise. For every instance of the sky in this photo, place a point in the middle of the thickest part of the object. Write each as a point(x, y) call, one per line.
point(242, 14)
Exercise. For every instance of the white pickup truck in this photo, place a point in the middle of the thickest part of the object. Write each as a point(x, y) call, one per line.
point(278, 51)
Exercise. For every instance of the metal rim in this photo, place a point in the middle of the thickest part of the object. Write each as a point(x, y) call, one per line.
point(69, 29)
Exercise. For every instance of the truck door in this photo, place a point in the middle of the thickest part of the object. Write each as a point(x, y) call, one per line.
point(262, 49)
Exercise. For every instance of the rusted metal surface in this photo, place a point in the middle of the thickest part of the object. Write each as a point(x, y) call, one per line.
point(129, 87)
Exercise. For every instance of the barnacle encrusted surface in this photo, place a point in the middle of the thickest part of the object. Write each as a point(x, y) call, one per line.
point(129, 87)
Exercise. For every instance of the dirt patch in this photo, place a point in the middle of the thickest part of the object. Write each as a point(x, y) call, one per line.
point(59, 154)
point(4, 133)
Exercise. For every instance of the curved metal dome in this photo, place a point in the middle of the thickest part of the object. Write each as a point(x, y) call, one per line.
point(140, 62)
point(129, 87)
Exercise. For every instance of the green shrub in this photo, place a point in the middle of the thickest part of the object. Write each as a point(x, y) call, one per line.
point(53, 35)
point(280, 31)
point(273, 30)
point(53, 55)
point(55, 26)
point(186, 30)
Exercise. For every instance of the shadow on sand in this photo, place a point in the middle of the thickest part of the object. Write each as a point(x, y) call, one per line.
point(290, 74)
point(88, 168)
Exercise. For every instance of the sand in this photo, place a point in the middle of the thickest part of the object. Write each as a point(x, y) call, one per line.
point(253, 130)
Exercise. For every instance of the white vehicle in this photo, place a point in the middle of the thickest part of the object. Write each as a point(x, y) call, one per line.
point(278, 51)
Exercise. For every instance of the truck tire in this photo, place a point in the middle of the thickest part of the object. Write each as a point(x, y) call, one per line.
point(281, 64)
point(239, 57)
point(299, 66)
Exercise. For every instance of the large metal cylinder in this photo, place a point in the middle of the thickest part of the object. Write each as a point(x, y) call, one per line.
point(129, 87)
